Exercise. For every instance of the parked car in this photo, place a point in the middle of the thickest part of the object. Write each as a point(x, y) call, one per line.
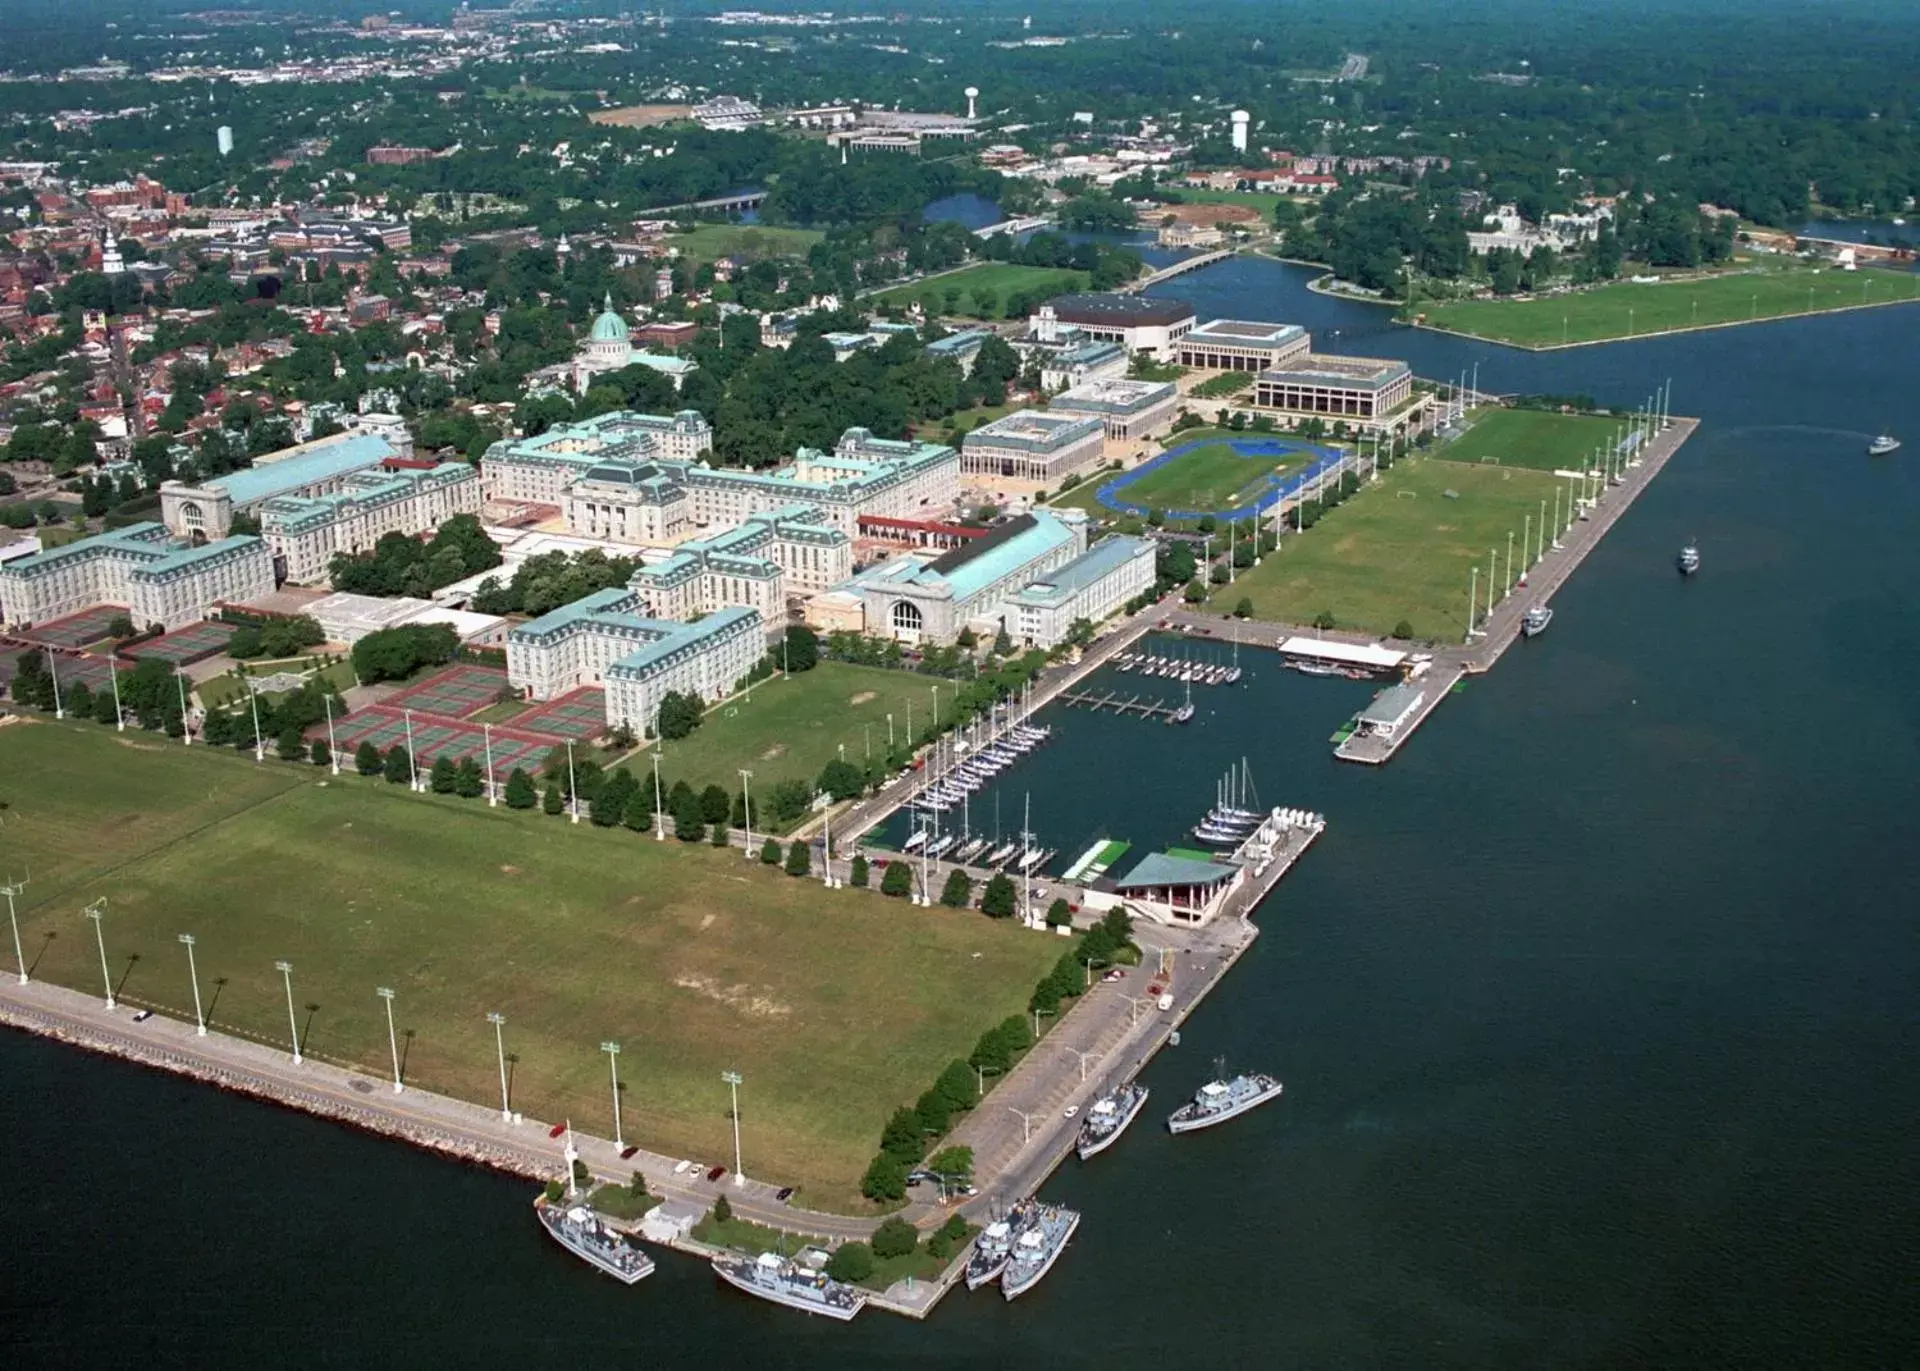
point(784, 1194)
point(716, 1173)
point(142, 1015)
point(1114, 975)
point(627, 1152)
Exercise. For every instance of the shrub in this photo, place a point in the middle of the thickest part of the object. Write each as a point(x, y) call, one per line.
point(366, 759)
point(851, 1262)
point(770, 852)
point(799, 858)
point(959, 890)
point(857, 874)
point(898, 881)
point(722, 1210)
point(1403, 630)
point(895, 1238)
point(886, 1179)
point(997, 900)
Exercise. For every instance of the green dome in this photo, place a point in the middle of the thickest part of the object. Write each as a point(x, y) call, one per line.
point(609, 327)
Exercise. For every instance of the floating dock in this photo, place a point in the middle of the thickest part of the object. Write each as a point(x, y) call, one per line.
point(1119, 703)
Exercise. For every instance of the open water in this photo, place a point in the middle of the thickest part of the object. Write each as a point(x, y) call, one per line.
point(1596, 1008)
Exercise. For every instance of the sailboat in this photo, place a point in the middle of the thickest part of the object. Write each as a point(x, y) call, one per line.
point(1233, 672)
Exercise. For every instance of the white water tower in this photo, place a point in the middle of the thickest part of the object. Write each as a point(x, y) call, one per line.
point(1240, 121)
point(973, 94)
point(223, 139)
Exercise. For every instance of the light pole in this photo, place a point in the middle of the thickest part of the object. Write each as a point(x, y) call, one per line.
point(113, 675)
point(95, 912)
point(659, 814)
point(1026, 1123)
point(413, 762)
point(333, 748)
point(286, 974)
point(393, 1040)
point(199, 1016)
point(612, 1050)
point(733, 1079)
point(493, 796)
point(500, 1046)
point(1473, 599)
point(746, 809)
point(1083, 1061)
point(59, 702)
point(13, 888)
point(573, 794)
point(260, 747)
point(186, 725)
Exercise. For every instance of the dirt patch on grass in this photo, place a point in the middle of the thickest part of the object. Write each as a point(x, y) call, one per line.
point(641, 116)
point(777, 750)
point(1207, 215)
point(864, 697)
point(742, 998)
point(508, 869)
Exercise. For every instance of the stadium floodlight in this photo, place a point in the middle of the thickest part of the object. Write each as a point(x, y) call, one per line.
point(393, 1041)
point(286, 974)
point(612, 1049)
point(733, 1079)
point(500, 1046)
point(193, 970)
point(13, 888)
point(96, 911)
point(746, 808)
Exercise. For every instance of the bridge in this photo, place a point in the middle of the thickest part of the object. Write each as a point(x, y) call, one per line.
point(1205, 259)
point(740, 199)
point(1014, 226)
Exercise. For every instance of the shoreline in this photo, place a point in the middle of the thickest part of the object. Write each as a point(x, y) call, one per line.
point(1657, 333)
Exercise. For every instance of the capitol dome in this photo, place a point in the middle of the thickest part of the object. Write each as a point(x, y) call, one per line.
point(609, 327)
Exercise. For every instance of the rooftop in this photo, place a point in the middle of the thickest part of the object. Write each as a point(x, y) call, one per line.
point(1032, 428)
point(1160, 868)
point(1114, 395)
point(1120, 311)
point(1102, 559)
point(1322, 369)
point(1245, 333)
point(1392, 705)
point(325, 460)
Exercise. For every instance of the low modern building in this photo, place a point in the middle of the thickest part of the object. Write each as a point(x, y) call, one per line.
point(1032, 445)
point(1127, 410)
point(539, 469)
point(916, 599)
point(1243, 345)
point(159, 579)
point(960, 348)
point(1092, 360)
point(1335, 387)
point(1139, 323)
point(205, 512)
point(1092, 586)
point(304, 532)
point(603, 640)
point(347, 618)
point(763, 563)
point(1172, 889)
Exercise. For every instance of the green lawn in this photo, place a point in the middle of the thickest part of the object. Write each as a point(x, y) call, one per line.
point(748, 242)
point(1213, 476)
point(836, 1005)
point(992, 280)
point(1625, 309)
point(219, 691)
point(1262, 200)
point(618, 1202)
point(500, 712)
point(1534, 438)
point(1400, 549)
point(793, 726)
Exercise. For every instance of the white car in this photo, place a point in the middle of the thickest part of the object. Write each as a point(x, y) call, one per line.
point(1071, 1110)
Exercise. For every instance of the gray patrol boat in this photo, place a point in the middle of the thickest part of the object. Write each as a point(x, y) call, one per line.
point(1037, 1247)
point(582, 1232)
point(800, 1282)
point(1108, 1118)
point(1221, 1099)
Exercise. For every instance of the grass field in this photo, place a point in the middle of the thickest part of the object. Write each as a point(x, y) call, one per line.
point(835, 1005)
point(748, 242)
point(217, 692)
point(793, 726)
point(1400, 550)
point(1211, 476)
point(1625, 309)
point(1533, 438)
point(1262, 200)
point(981, 292)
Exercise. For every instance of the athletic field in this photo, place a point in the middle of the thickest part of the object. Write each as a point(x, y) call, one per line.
point(1533, 438)
point(836, 1006)
point(1627, 309)
point(1220, 473)
point(981, 292)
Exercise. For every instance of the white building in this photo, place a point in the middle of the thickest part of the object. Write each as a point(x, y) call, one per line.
point(1139, 323)
point(305, 532)
point(160, 581)
point(538, 470)
point(916, 599)
point(626, 501)
point(764, 563)
point(603, 640)
point(1092, 586)
point(1243, 345)
point(1032, 445)
point(205, 511)
point(1127, 410)
point(1092, 360)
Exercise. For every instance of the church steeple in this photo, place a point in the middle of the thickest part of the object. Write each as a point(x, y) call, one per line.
point(110, 260)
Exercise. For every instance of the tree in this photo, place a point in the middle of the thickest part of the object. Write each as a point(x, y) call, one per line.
point(770, 853)
point(637, 1186)
point(717, 833)
point(722, 1210)
point(857, 873)
point(639, 815)
point(842, 780)
point(958, 892)
point(886, 1179)
point(1323, 620)
point(852, 1262)
point(898, 881)
point(398, 767)
point(953, 1164)
point(79, 700)
point(468, 783)
point(1059, 914)
point(321, 752)
point(366, 758)
point(1403, 630)
point(800, 650)
point(799, 857)
point(688, 826)
point(715, 805)
point(679, 715)
point(997, 900)
point(520, 791)
point(291, 745)
point(105, 710)
point(947, 1238)
point(441, 775)
point(551, 802)
point(1244, 609)
point(895, 1237)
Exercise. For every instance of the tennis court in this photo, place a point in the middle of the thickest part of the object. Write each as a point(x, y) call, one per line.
point(577, 715)
point(194, 643)
point(386, 727)
point(76, 630)
point(455, 693)
point(72, 671)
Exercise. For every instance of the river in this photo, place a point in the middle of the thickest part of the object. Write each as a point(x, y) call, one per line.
point(1595, 1007)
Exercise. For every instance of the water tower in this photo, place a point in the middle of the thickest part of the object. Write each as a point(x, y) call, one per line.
point(973, 94)
point(1240, 121)
point(223, 139)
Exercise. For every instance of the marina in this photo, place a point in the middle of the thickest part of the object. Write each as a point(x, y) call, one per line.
point(1132, 704)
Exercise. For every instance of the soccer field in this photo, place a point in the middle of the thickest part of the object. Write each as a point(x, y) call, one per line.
point(1534, 438)
point(1627, 309)
point(981, 292)
point(1210, 474)
point(1402, 549)
point(792, 726)
point(836, 1006)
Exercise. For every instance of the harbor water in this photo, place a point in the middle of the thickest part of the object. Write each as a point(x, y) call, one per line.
point(1594, 1008)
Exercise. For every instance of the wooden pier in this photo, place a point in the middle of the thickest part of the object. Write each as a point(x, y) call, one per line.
point(1119, 703)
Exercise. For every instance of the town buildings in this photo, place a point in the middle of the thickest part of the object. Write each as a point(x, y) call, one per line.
point(159, 580)
point(1032, 445)
point(1127, 410)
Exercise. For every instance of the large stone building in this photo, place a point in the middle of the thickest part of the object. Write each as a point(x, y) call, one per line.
point(1127, 410)
point(1032, 445)
point(1092, 586)
point(763, 563)
point(160, 580)
point(204, 512)
point(304, 532)
point(1242, 345)
point(1139, 323)
point(609, 347)
point(1091, 360)
point(604, 640)
point(861, 475)
point(539, 469)
point(1319, 385)
point(624, 500)
point(919, 600)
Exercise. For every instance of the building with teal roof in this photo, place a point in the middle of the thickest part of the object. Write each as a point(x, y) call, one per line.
point(322, 467)
point(161, 580)
point(305, 532)
point(920, 600)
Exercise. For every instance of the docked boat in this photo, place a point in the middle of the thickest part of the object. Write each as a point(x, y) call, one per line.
point(1036, 1248)
point(1536, 620)
point(1000, 854)
point(1221, 1099)
point(1313, 668)
point(799, 1283)
point(1689, 560)
point(580, 1230)
point(993, 1249)
point(1882, 445)
point(1108, 1117)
